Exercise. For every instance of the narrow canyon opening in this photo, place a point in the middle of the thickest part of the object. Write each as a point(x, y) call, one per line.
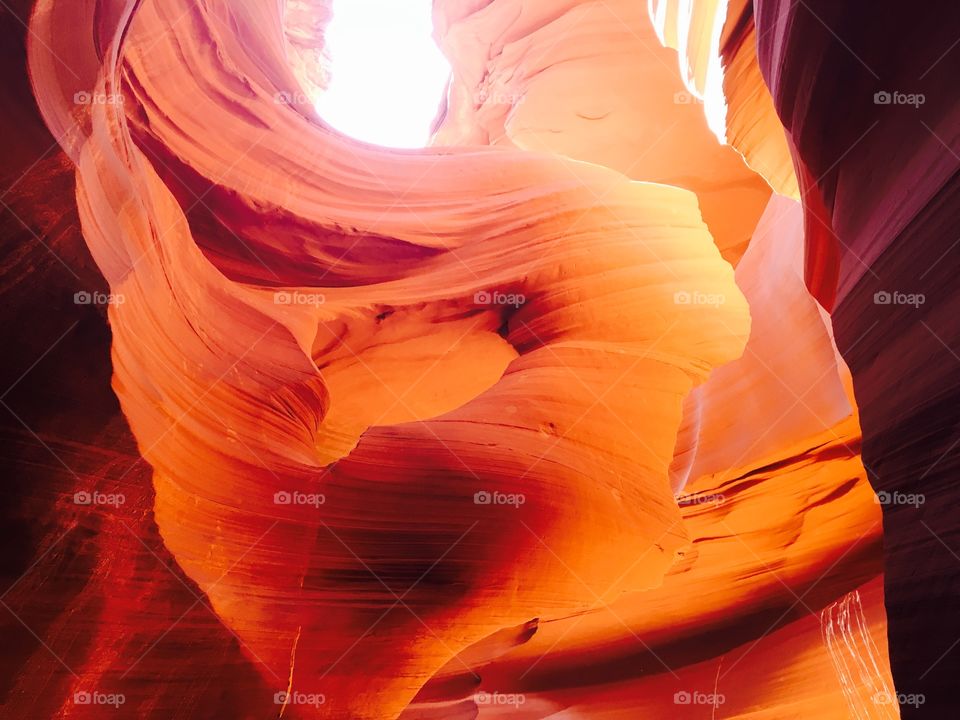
point(387, 74)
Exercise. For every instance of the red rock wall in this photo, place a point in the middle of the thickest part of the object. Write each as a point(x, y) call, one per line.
point(538, 421)
point(886, 171)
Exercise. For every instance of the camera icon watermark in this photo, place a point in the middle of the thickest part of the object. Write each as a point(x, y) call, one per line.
point(293, 98)
point(85, 97)
point(485, 497)
point(685, 98)
point(685, 697)
point(98, 698)
point(898, 498)
point(99, 499)
point(885, 697)
point(498, 698)
point(883, 297)
point(299, 298)
point(884, 97)
point(486, 97)
point(98, 298)
point(697, 499)
point(695, 297)
point(495, 297)
point(284, 697)
point(294, 497)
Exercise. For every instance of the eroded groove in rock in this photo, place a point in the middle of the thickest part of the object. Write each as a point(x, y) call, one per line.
point(548, 419)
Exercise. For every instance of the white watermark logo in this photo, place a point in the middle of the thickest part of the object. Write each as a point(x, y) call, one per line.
point(713, 499)
point(685, 98)
point(486, 97)
point(283, 497)
point(97, 98)
point(498, 698)
point(898, 498)
point(686, 297)
point(898, 298)
point(299, 698)
point(98, 498)
point(683, 697)
point(298, 298)
point(885, 697)
point(485, 297)
point(884, 97)
point(98, 298)
point(485, 497)
point(293, 98)
point(99, 698)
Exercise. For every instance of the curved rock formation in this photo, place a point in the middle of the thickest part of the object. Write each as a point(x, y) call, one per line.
point(544, 420)
point(265, 414)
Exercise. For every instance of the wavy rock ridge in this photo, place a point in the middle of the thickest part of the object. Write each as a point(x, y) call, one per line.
point(545, 420)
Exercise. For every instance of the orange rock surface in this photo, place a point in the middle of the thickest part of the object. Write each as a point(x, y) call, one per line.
point(541, 421)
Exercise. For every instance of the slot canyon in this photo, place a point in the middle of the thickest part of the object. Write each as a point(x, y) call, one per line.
point(570, 360)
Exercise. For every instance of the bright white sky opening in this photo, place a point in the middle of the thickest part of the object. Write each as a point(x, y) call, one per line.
point(387, 73)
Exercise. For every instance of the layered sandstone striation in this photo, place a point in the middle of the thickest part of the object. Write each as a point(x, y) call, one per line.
point(544, 420)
